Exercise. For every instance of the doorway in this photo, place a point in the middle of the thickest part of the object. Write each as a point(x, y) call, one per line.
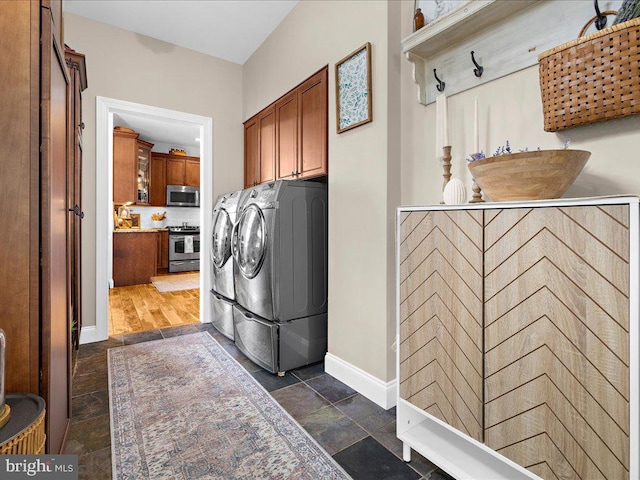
point(106, 109)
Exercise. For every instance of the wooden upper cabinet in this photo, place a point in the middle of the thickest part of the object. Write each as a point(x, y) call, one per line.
point(158, 180)
point(182, 170)
point(251, 152)
point(125, 154)
point(312, 136)
point(192, 173)
point(175, 171)
point(287, 136)
point(267, 143)
point(167, 169)
point(143, 171)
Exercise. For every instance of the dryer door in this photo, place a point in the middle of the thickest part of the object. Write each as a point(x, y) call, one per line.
point(250, 241)
point(221, 238)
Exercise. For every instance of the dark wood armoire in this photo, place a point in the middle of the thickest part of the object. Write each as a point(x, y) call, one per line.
point(39, 186)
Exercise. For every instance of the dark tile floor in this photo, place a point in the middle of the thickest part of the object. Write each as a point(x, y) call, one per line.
point(359, 434)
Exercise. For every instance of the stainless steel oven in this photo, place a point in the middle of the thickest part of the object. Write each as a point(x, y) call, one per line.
point(184, 249)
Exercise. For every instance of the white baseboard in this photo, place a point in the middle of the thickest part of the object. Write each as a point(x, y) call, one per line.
point(379, 392)
point(90, 335)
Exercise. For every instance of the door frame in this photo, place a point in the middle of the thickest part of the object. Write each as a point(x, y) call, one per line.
point(105, 109)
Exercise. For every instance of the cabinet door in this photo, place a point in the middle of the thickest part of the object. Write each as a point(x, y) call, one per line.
point(312, 137)
point(125, 154)
point(251, 154)
point(77, 77)
point(267, 144)
point(192, 173)
point(175, 171)
point(54, 240)
point(135, 258)
point(287, 136)
point(441, 316)
point(163, 249)
point(143, 158)
point(158, 180)
point(556, 339)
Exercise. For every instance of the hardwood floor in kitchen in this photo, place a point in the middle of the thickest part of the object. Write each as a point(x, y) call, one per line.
point(138, 308)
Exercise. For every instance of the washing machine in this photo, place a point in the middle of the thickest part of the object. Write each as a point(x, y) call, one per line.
point(279, 246)
point(221, 264)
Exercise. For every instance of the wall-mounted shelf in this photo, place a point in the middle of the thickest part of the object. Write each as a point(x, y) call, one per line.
point(459, 25)
point(505, 35)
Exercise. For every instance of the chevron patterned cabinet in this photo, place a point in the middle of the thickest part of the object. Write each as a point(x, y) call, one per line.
point(518, 338)
point(441, 316)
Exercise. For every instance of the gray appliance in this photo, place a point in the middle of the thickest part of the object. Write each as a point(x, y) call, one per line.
point(279, 246)
point(183, 196)
point(221, 264)
point(184, 248)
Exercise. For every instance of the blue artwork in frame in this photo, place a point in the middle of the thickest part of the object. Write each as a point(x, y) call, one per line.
point(353, 89)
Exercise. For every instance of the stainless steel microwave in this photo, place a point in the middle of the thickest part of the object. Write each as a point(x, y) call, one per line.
point(182, 196)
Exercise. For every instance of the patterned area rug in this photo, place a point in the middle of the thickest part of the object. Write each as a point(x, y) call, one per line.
point(183, 408)
point(174, 283)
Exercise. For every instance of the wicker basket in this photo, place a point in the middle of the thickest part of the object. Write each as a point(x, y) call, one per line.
point(593, 78)
point(29, 442)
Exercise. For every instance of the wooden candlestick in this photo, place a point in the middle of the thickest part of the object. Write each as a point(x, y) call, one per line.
point(477, 193)
point(446, 165)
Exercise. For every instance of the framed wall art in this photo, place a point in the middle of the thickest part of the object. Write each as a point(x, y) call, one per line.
point(353, 89)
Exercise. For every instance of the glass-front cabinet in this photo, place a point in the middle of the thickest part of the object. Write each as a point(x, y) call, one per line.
point(143, 159)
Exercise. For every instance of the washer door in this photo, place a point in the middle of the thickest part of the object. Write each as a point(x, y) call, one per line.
point(249, 241)
point(221, 238)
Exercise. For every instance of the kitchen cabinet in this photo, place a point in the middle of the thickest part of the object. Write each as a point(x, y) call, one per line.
point(158, 180)
point(125, 154)
point(515, 327)
point(182, 170)
point(131, 165)
point(143, 156)
point(163, 250)
point(135, 257)
point(288, 139)
point(37, 247)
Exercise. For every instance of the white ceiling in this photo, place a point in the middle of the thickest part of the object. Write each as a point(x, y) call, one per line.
point(155, 130)
point(231, 30)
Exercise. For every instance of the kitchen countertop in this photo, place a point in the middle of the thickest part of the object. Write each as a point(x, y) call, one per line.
point(139, 230)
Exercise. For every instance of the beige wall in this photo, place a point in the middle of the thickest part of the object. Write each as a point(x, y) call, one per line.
point(361, 289)
point(509, 109)
point(127, 66)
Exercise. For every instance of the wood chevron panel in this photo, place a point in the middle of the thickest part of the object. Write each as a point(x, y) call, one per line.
point(441, 291)
point(556, 292)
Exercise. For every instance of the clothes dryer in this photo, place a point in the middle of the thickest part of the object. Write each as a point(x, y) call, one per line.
point(221, 263)
point(279, 245)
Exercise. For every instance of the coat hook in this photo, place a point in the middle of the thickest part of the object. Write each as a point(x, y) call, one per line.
point(441, 84)
point(479, 68)
point(601, 21)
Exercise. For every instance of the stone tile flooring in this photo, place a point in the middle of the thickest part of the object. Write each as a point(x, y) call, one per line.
point(359, 434)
